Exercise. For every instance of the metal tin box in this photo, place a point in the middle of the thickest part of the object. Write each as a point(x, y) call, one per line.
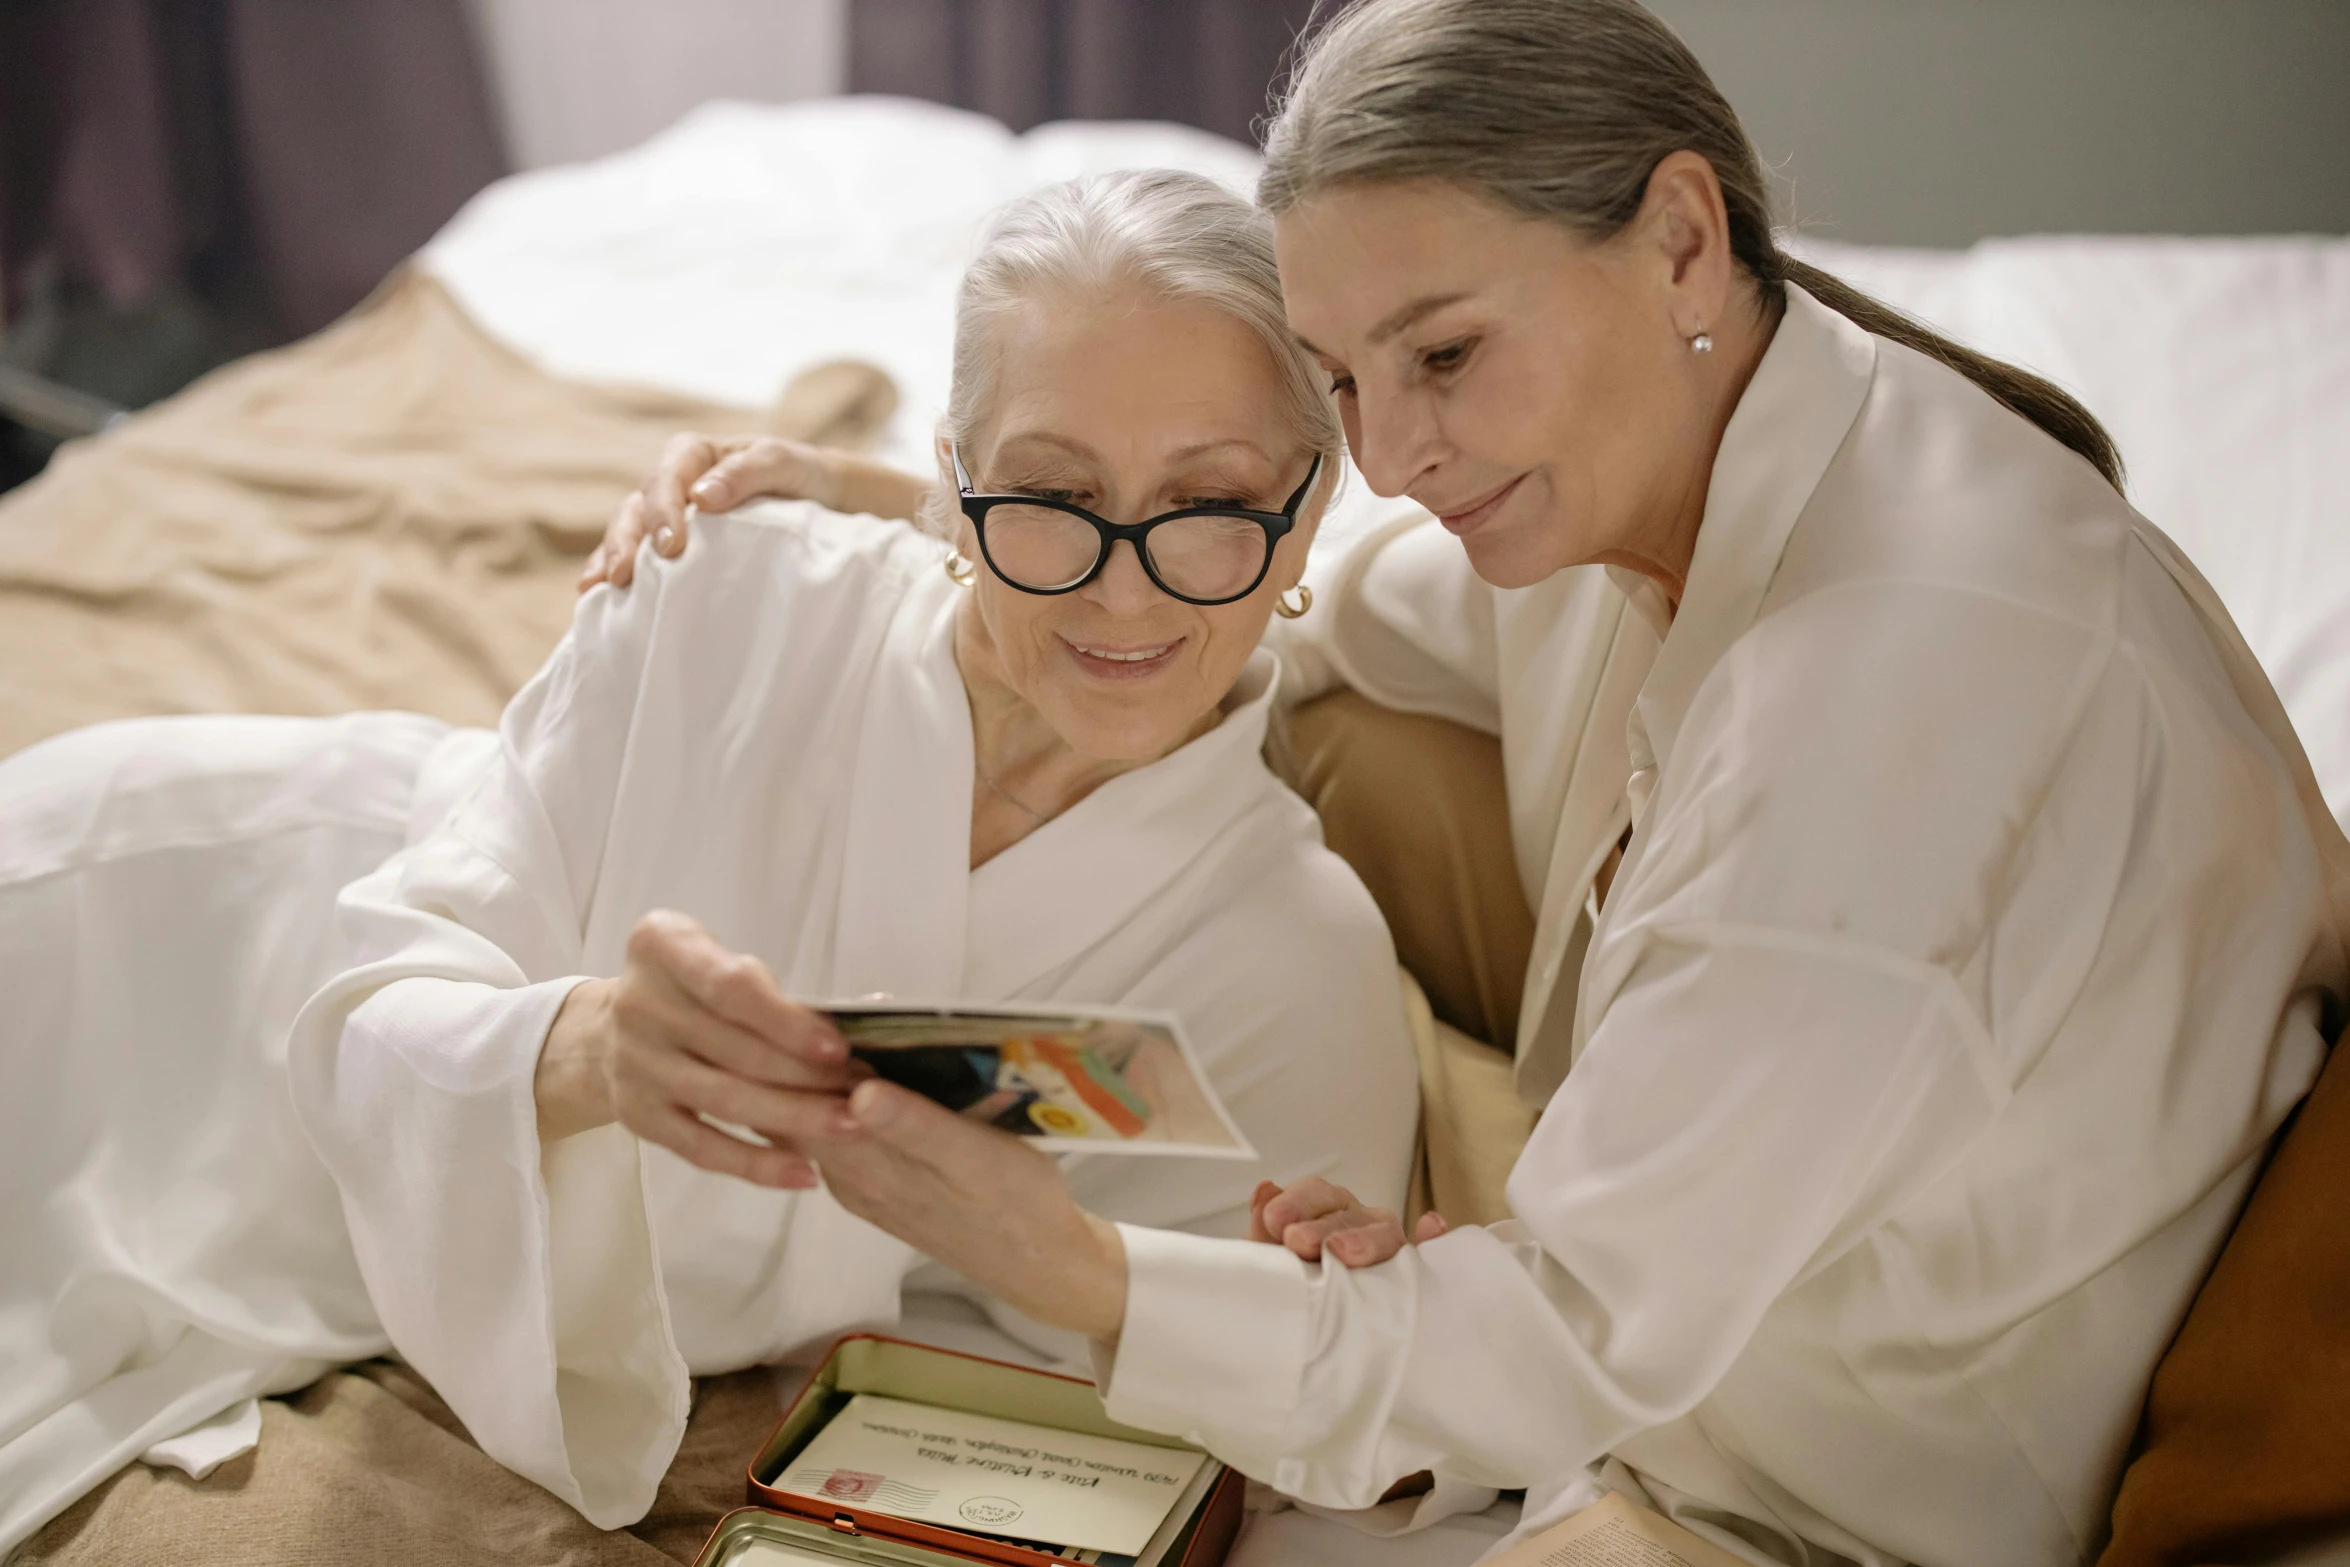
point(830, 1529)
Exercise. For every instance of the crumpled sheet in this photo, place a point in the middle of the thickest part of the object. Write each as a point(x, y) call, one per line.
point(389, 514)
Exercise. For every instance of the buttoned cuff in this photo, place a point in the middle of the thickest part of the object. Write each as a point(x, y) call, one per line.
point(1213, 1348)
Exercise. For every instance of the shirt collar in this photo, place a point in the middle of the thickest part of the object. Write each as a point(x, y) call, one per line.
point(1050, 897)
point(1787, 427)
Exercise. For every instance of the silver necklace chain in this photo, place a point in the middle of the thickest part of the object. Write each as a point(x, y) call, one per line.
point(1009, 798)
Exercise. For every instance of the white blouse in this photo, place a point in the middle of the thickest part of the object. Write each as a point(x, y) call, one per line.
point(1981, 922)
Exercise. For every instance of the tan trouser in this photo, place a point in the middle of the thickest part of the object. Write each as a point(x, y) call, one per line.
point(1418, 806)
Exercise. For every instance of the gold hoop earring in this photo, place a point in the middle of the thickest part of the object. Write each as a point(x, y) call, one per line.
point(1289, 611)
point(960, 568)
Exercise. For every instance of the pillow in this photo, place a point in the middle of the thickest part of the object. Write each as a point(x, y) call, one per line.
point(2245, 1447)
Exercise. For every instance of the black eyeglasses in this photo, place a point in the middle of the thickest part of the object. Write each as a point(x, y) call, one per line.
point(1200, 554)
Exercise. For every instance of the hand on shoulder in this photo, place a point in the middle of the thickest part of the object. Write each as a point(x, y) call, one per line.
point(716, 473)
point(693, 1033)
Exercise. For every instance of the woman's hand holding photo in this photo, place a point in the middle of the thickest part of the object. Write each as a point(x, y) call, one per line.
point(982, 1202)
point(693, 1030)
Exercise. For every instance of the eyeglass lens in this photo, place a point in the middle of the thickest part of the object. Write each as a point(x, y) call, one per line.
point(1209, 557)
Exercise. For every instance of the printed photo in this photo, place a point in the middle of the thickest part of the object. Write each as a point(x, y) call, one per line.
point(1096, 1082)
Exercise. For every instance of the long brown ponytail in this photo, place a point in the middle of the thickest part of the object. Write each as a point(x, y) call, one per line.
point(1562, 109)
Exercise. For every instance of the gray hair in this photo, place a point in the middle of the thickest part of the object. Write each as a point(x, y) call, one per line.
point(1164, 234)
point(1561, 110)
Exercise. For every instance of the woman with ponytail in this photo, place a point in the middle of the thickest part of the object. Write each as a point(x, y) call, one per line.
point(1936, 913)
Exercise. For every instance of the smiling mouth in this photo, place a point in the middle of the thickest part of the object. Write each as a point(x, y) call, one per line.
point(1470, 518)
point(1121, 663)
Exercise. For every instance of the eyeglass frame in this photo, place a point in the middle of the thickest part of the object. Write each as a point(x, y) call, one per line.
point(1276, 526)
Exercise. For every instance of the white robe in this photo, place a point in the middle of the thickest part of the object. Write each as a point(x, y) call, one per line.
point(1981, 923)
point(770, 734)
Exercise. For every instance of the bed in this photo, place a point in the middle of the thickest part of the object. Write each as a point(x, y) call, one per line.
point(391, 514)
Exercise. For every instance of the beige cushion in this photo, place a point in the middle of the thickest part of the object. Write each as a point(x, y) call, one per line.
point(1473, 1125)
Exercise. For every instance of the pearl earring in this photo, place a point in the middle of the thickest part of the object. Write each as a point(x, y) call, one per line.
point(1702, 343)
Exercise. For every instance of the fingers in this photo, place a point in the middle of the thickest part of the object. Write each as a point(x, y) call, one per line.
point(715, 473)
point(614, 559)
point(652, 1084)
point(1431, 1225)
point(766, 466)
point(894, 1117)
point(1257, 1229)
point(623, 539)
point(1314, 1218)
point(966, 1154)
point(892, 1155)
point(1358, 1237)
point(795, 1045)
point(693, 1034)
point(1303, 1202)
point(685, 459)
point(707, 1148)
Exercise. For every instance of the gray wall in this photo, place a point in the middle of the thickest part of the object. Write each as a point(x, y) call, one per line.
point(1938, 122)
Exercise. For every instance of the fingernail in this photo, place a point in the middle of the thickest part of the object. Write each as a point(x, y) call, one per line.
point(868, 1104)
point(705, 489)
point(665, 540)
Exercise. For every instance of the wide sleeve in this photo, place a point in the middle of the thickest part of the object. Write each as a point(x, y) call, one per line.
point(1682, 1180)
point(1402, 618)
point(520, 1280)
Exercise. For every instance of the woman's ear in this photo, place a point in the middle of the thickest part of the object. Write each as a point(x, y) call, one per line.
point(1686, 227)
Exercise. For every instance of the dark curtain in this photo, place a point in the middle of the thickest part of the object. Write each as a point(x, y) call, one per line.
point(181, 180)
point(1209, 63)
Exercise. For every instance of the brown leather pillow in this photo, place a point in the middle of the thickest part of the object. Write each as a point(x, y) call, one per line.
point(2245, 1449)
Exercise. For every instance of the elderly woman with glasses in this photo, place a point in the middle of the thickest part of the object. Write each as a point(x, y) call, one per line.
point(816, 755)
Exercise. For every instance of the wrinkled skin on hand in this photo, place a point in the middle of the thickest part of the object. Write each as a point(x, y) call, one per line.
point(981, 1201)
point(1313, 1218)
point(997, 1211)
point(715, 472)
point(688, 1030)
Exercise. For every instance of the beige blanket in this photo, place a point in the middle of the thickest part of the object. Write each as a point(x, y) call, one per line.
point(368, 1468)
point(389, 514)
